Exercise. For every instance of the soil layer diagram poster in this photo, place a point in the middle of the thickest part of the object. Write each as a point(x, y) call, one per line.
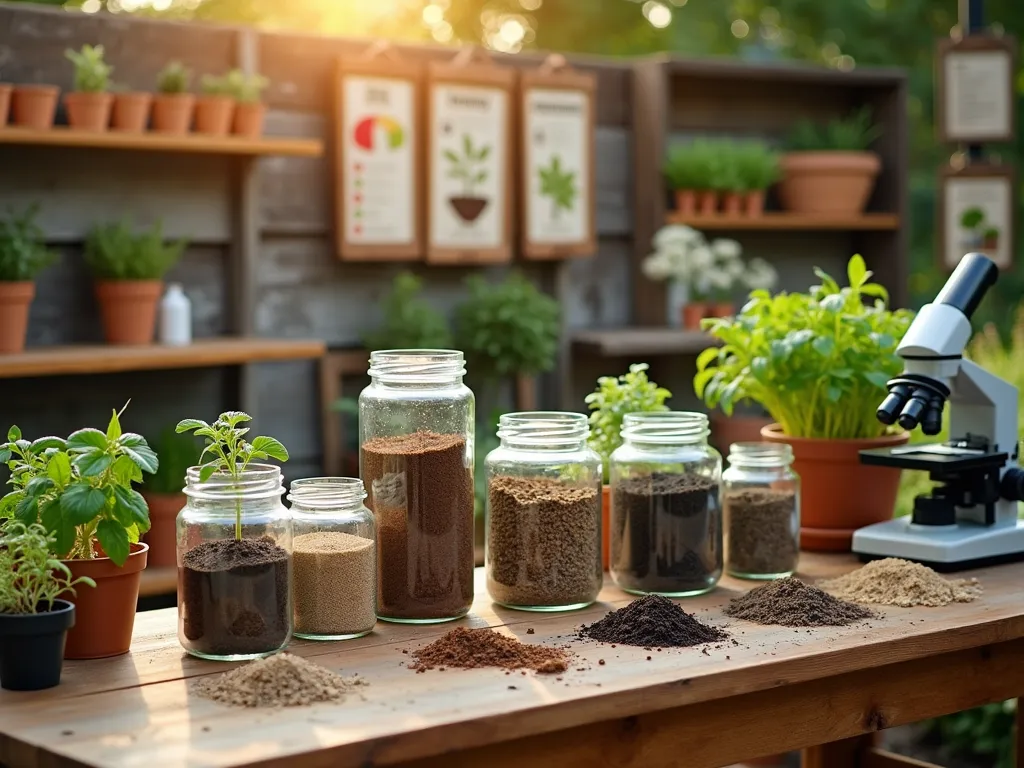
point(977, 216)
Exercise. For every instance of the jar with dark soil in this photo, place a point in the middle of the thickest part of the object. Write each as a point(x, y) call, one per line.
point(543, 548)
point(666, 517)
point(761, 499)
point(234, 553)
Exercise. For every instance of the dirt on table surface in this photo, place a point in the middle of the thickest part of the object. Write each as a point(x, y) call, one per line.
point(790, 602)
point(283, 680)
point(652, 621)
point(478, 648)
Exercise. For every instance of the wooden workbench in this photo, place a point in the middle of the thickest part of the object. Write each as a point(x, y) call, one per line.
point(779, 689)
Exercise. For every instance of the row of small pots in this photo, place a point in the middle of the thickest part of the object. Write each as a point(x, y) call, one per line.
point(695, 311)
point(690, 202)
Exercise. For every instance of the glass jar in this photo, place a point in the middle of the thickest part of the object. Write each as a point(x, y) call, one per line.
point(234, 553)
point(416, 431)
point(666, 520)
point(761, 499)
point(543, 550)
point(334, 559)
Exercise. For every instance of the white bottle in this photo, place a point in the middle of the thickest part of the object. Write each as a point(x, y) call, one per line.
point(175, 317)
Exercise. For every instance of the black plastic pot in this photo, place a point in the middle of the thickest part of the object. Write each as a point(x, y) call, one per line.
point(32, 647)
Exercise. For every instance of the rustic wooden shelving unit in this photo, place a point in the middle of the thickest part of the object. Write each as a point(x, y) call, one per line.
point(788, 222)
point(158, 581)
point(642, 341)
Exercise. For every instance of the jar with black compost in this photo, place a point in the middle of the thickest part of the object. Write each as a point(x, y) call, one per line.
point(666, 519)
point(334, 559)
point(234, 552)
point(761, 500)
point(416, 431)
point(543, 550)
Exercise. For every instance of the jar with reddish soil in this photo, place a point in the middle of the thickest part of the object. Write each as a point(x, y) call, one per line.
point(234, 555)
point(416, 433)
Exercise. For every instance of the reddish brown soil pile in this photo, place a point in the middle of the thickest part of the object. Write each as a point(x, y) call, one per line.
point(477, 648)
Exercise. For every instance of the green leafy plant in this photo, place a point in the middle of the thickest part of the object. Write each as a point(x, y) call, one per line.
point(757, 166)
point(723, 163)
point(174, 78)
point(971, 218)
point(855, 133)
point(115, 252)
point(614, 397)
point(990, 233)
point(23, 251)
point(409, 321)
point(559, 185)
point(80, 489)
point(817, 362)
point(228, 452)
point(215, 85)
point(468, 168)
point(30, 577)
point(696, 166)
point(983, 732)
point(247, 89)
point(177, 453)
point(92, 73)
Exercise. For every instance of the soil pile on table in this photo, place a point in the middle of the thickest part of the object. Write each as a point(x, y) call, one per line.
point(478, 648)
point(278, 681)
point(334, 583)
point(893, 581)
point(761, 535)
point(791, 603)
point(652, 621)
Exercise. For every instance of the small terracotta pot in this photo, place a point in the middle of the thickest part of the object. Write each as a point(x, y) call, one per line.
point(606, 524)
point(128, 309)
point(131, 111)
point(838, 494)
point(213, 115)
point(15, 300)
point(707, 203)
point(686, 201)
point(5, 102)
point(732, 204)
point(34, 106)
point(693, 313)
point(89, 111)
point(726, 430)
point(105, 615)
point(162, 536)
point(172, 112)
point(753, 203)
point(248, 120)
point(828, 183)
point(721, 309)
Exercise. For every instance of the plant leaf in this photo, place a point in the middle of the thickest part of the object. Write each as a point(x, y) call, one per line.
point(40, 445)
point(59, 469)
point(87, 438)
point(144, 457)
point(27, 510)
point(113, 427)
point(114, 540)
point(92, 463)
point(271, 447)
point(131, 503)
point(81, 503)
point(186, 425)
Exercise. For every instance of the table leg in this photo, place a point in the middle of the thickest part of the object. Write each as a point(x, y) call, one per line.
point(838, 754)
point(1019, 740)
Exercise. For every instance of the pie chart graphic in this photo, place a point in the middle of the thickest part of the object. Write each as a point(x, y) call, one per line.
point(378, 131)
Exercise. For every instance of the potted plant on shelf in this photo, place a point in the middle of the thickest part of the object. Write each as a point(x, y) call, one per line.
point(247, 91)
point(34, 105)
point(725, 273)
point(90, 103)
point(757, 168)
point(680, 256)
point(829, 169)
point(726, 180)
point(23, 254)
point(5, 102)
point(34, 621)
point(131, 110)
point(80, 489)
point(818, 363)
point(173, 104)
point(686, 175)
point(614, 397)
point(129, 271)
point(215, 106)
point(164, 495)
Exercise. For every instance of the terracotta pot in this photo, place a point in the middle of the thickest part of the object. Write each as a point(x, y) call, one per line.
point(248, 119)
point(89, 111)
point(686, 201)
point(34, 106)
point(5, 102)
point(726, 430)
point(606, 524)
point(105, 615)
point(172, 112)
point(128, 309)
point(838, 494)
point(753, 203)
point(693, 313)
point(15, 299)
point(161, 536)
point(213, 115)
point(721, 309)
point(732, 204)
point(828, 183)
point(131, 111)
point(707, 203)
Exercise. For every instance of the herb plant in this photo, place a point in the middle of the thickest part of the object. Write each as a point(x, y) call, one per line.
point(559, 185)
point(817, 362)
point(409, 321)
point(690, 166)
point(30, 577)
point(177, 453)
point(92, 73)
point(469, 167)
point(114, 252)
point(215, 85)
point(855, 133)
point(247, 89)
point(23, 251)
point(174, 78)
point(972, 218)
point(228, 452)
point(757, 166)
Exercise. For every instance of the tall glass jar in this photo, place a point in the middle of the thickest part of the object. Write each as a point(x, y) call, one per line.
point(543, 548)
point(761, 497)
point(416, 432)
point(234, 553)
point(334, 559)
point(666, 520)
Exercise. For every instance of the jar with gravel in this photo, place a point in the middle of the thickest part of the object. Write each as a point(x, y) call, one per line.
point(416, 432)
point(666, 519)
point(543, 544)
point(761, 501)
point(334, 559)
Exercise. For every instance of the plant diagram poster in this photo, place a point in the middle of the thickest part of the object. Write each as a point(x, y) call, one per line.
point(978, 217)
point(977, 97)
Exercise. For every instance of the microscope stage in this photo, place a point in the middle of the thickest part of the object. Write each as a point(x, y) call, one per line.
point(905, 457)
point(944, 548)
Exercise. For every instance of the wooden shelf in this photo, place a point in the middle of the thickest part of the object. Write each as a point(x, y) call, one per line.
point(62, 136)
point(203, 353)
point(624, 342)
point(788, 222)
point(158, 581)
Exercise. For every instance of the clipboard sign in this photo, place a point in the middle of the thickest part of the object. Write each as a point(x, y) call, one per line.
point(976, 96)
point(977, 206)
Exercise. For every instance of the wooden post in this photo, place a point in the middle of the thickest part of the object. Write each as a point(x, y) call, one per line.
point(847, 753)
point(526, 393)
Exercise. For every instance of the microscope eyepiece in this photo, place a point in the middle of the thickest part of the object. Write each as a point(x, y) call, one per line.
point(966, 287)
point(914, 400)
point(912, 412)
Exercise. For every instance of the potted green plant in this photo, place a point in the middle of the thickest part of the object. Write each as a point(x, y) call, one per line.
point(829, 169)
point(614, 397)
point(130, 113)
point(990, 238)
point(818, 362)
point(725, 181)
point(757, 168)
point(90, 104)
point(247, 91)
point(23, 254)
point(34, 621)
point(5, 102)
point(409, 321)
point(173, 104)
point(164, 495)
point(33, 105)
point(129, 269)
point(215, 106)
point(686, 172)
point(80, 489)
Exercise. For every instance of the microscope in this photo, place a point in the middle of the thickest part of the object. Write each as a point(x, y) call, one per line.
point(970, 517)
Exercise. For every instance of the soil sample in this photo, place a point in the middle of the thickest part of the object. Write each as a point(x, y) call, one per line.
point(477, 648)
point(761, 537)
point(893, 581)
point(334, 581)
point(279, 681)
point(543, 542)
point(653, 621)
point(235, 597)
point(420, 489)
point(790, 602)
point(666, 534)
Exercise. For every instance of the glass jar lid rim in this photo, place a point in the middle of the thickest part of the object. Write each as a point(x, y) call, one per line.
point(257, 481)
point(543, 427)
point(324, 492)
point(760, 450)
point(664, 427)
point(415, 365)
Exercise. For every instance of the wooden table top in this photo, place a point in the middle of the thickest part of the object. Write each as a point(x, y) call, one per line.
point(136, 710)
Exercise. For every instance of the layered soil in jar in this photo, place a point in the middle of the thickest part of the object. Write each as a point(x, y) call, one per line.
point(420, 489)
point(334, 579)
point(761, 535)
point(543, 542)
point(234, 596)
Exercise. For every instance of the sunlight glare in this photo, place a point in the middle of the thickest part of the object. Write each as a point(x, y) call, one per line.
point(512, 31)
point(91, 6)
point(161, 5)
point(433, 14)
point(442, 32)
point(845, 62)
point(660, 16)
point(740, 28)
point(530, 5)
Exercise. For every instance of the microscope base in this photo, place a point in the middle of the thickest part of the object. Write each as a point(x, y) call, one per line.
point(948, 548)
